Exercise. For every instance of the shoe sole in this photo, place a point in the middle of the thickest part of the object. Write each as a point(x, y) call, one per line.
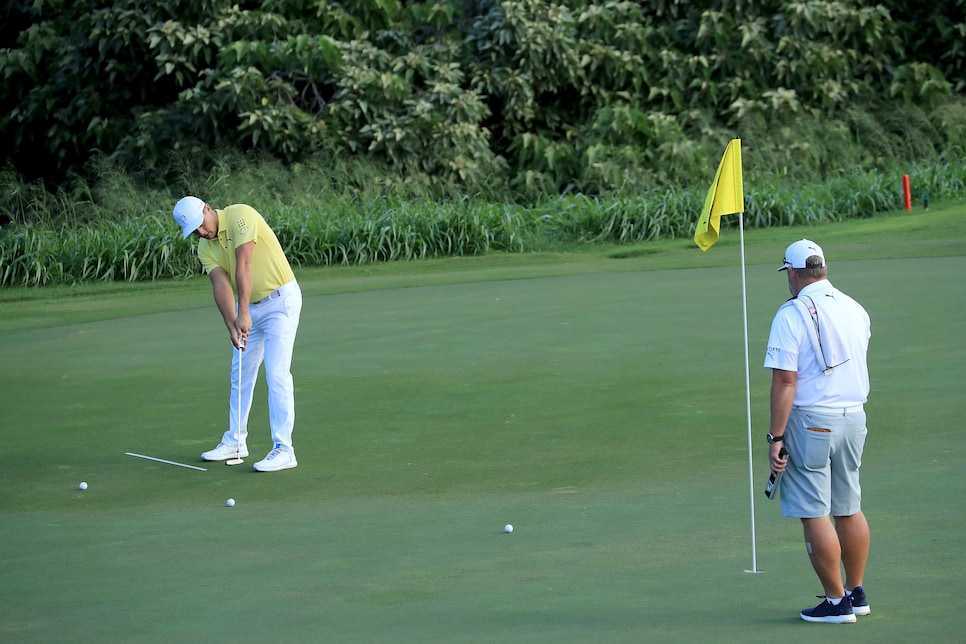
point(831, 619)
point(861, 610)
point(270, 468)
point(210, 459)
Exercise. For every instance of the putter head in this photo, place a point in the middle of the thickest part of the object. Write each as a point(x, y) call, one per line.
point(234, 461)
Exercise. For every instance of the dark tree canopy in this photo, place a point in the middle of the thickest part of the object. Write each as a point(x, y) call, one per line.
point(559, 95)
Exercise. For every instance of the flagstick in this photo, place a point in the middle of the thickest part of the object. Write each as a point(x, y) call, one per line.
point(727, 180)
point(751, 469)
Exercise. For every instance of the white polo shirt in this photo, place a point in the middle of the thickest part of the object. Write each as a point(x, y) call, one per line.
point(843, 329)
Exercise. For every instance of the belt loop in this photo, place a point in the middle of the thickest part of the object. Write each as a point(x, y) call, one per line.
point(276, 293)
point(270, 296)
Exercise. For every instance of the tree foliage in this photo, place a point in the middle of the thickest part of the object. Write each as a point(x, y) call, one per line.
point(545, 97)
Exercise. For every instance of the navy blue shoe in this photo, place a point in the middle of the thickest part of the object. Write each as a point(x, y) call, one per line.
point(829, 613)
point(860, 603)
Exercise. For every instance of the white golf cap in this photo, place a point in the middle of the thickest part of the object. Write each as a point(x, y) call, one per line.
point(798, 254)
point(189, 213)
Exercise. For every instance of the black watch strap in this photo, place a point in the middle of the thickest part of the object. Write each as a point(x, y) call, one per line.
point(775, 439)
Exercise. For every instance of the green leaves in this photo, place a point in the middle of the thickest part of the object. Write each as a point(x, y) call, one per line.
point(352, 229)
point(511, 92)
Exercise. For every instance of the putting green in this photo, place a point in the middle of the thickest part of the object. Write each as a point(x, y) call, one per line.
point(600, 409)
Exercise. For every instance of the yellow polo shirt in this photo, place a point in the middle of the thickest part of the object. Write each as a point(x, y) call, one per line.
point(238, 225)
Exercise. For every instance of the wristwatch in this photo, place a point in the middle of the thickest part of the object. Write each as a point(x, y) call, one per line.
point(775, 439)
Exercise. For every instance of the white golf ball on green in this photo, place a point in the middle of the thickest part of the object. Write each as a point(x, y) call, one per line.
point(230, 503)
point(508, 528)
point(82, 486)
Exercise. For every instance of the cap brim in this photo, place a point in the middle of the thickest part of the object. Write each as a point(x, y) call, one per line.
point(186, 231)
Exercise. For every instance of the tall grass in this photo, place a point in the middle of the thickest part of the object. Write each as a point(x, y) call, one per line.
point(391, 230)
point(101, 245)
point(123, 250)
point(330, 210)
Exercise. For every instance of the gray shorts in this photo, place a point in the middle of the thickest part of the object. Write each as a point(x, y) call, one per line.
point(824, 456)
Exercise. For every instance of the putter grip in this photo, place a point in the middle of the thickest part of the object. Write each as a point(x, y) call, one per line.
point(771, 488)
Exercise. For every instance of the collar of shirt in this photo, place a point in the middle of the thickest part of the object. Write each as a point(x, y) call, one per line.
point(821, 286)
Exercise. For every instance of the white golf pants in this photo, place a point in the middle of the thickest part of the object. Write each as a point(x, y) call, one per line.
point(275, 321)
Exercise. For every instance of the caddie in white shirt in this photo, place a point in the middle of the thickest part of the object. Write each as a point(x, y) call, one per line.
point(817, 351)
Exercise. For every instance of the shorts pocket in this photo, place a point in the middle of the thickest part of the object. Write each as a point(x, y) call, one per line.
point(854, 449)
point(818, 448)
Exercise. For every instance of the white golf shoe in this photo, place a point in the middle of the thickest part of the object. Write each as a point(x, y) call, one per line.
point(278, 459)
point(224, 451)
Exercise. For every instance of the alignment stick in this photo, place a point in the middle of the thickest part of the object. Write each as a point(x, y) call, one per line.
point(161, 460)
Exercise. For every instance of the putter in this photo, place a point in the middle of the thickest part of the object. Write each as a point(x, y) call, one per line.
point(238, 460)
point(771, 488)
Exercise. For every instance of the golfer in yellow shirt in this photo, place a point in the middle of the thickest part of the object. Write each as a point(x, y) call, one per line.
point(244, 259)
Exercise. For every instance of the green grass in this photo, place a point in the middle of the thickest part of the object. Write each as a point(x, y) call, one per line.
point(596, 402)
point(136, 242)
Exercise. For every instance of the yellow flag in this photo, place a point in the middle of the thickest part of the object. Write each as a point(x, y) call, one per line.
point(726, 197)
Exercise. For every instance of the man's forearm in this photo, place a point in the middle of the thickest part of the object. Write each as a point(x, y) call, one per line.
point(225, 301)
point(243, 280)
point(782, 397)
point(243, 276)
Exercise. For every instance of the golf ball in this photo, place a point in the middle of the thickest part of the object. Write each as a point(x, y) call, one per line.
point(82, 486)
point(230, 503)
point(508, 528)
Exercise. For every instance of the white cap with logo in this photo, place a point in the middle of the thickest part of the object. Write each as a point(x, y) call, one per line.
point(189, 213)
point(798, 253)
